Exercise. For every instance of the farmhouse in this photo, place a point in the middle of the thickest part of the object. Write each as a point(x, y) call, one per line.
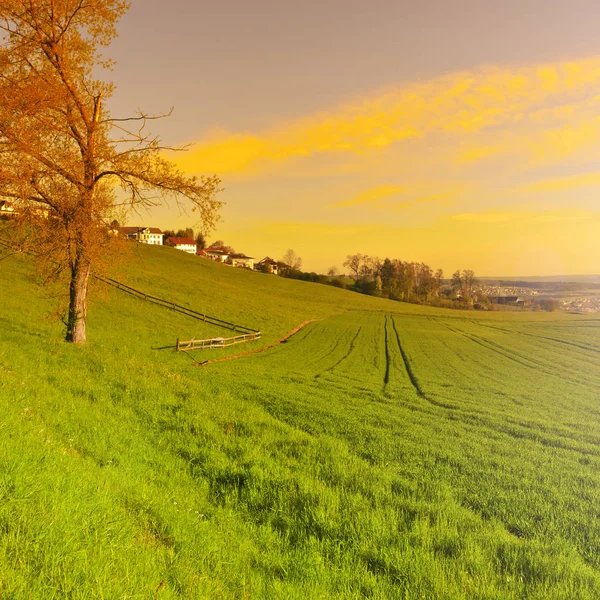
point(241, 260)
point(268, 265)
point(186, 244)
point(216, 254)
point(144, 235)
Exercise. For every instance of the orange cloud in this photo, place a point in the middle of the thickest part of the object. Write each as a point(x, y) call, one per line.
point(456, 105)
point(372, 195)
point(560, 184)
point(489, 217)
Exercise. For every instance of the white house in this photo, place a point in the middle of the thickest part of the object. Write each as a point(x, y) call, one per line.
point(185, 244)
point(144, 235)
point(216, 254)
point(268, 265)
point(241, 260)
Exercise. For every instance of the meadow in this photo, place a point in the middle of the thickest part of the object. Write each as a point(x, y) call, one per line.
point(384, 451)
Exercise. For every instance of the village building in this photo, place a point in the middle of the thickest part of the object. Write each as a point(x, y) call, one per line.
point(216, 254)
point(241, 260)
point(185, 244)
point(270, 265)
point(144, 235)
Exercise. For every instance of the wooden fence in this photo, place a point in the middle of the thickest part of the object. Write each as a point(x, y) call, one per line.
point(177, 307)
point(184, 310)
point(218, 342)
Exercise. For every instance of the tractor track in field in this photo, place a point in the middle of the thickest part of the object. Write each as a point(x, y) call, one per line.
point(539, 337)
point(491, 346)
point(386, 377)
point(341, 360)
point(517, 357)
point(411, 375)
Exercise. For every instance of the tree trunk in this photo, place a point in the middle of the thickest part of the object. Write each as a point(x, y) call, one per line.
point(78, 290)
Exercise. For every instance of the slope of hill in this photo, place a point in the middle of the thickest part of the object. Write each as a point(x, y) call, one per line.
point(391, 451)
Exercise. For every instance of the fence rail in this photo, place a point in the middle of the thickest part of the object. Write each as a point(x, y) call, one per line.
point(176, 307)
point(218, 342)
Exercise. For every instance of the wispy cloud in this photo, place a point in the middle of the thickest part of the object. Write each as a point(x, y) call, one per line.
point(490, 217)
point(387, 196)
point(372, 195)
point(456, 105)
point(560, 184)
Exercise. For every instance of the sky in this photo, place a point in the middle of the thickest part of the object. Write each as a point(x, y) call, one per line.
point(459, 133)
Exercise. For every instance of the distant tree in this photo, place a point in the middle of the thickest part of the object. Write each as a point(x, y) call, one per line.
point(468, 283)
point(63, 155)
point(200, 241)
point(549, 304)
point(439, 279)
point(354, 263)
point(188, 232)
point(221, 245)
point(291, 259)
point(169, 233)
point(457, 282)
point(333, 272)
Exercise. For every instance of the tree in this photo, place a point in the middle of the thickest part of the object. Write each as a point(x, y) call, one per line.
point(188, 232)
point(291, 259)
point(201, 241)
point(469, 282)
point(456, 282)
point(221, 245)
point(439, 279)
point(62, 152)
point(354, 263)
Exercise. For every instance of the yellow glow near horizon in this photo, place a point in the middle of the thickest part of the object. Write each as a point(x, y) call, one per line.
point(434, 164)
point(493, 243)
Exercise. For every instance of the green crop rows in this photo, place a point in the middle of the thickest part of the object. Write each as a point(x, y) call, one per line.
point(404, 452)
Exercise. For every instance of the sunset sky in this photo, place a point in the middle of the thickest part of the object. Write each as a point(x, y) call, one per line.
point(460, 133)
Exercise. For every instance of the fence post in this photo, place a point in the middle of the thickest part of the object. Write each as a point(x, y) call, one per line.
point(177, 344)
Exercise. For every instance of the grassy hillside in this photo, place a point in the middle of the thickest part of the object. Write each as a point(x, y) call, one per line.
point(390, 451)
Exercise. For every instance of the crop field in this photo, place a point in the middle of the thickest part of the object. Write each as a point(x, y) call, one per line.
point(384, 451)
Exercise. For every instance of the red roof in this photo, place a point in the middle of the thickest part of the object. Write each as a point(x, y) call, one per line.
point(181, 241)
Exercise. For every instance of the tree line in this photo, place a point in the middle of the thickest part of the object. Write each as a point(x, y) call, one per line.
point(411, 281)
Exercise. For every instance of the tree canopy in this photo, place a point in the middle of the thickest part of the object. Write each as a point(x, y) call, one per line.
point(63, 156)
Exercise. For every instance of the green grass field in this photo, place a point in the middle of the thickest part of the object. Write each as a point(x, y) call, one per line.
point(386, 451)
